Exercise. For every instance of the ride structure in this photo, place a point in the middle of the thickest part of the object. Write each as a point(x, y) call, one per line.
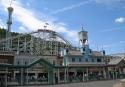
point(41, 42)
point(45, 57)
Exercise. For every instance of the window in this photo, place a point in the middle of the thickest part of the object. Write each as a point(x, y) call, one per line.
point(108, 60)
point(99, 60)
point(73, 59)
point(25, 63)
point(60, 63)
point(18, 62)
point(86, 60)
point(92, 60)
point(67, 50)
point(83, 49)
point(52, 52)
point(90, 51)
point(103, 52)
point(80, 59)
point(54, 62)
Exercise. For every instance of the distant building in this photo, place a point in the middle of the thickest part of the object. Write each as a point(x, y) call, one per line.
point(122, 55)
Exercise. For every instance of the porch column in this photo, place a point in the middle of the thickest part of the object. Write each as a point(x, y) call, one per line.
point(65, 75)
point(104, 73)
point(51, 76)
point(58, 75)
point(14, 74)
point(6, 80)
point(120, 71)
point(116, 73)
point(36, 76)
point(83, 77)
point(27, 77)
point(22, 76)
point(87, 73)
point(113, 73)
point(109, 77)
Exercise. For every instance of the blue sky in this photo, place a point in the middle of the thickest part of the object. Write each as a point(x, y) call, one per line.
point(103, 19)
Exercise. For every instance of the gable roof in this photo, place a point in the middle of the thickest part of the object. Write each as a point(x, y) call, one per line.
point(75, 53)
point(115, 61)
point(96, 53)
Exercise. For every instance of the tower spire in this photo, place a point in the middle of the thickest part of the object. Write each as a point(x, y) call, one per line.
point(83, 37)
point(10, 1)
point(82, 28)
point(9, 23)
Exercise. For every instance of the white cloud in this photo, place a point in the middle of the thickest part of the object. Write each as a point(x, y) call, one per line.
point(114, 3)
point(26, 17)
point(120, 20)
point(71, 7)
point(2, 25)
point(29, 20)
point(22, 29)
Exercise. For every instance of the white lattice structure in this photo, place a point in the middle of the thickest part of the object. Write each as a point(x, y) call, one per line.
point(41, 42)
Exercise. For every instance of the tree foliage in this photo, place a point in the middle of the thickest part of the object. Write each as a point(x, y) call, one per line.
point(3, 33)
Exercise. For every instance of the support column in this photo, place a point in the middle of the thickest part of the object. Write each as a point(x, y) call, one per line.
point(6, 80)
point(22, 76)
point(120, 72)
point(58, 75)
point(51, 76)
point(104, 73)
point(75, 74)
point(87, 73)
point(113, 73)
point(83, 77)
point(65, 75)
point(14, 75)
point(36, 76)
point(27, 77)
point(109, 72)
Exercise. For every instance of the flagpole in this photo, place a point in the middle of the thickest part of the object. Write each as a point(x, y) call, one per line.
point(10, 2)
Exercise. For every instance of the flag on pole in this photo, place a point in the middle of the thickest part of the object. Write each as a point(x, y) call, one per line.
point(11, 2)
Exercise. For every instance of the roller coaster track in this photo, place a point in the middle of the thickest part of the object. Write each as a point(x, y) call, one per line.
point(37, 42)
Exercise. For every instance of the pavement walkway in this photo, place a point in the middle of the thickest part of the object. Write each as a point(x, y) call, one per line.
point(108, 83)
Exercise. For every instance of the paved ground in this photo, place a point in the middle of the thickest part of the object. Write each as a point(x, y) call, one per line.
point(109, 83)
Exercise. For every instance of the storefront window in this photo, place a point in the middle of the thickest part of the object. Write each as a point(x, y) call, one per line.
point(99, 60)
point(80, 59)
point(73, 59)
point(86, 60)
point(92, 60)
point(18, 62)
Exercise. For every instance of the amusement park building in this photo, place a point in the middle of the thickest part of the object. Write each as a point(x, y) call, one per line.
point(45, 57)
point(56, 60)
